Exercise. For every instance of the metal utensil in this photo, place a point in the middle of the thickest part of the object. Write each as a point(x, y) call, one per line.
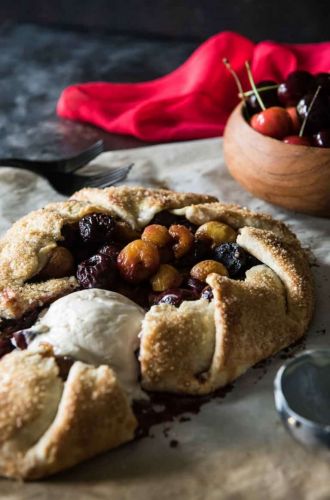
point(302, 397)
point(67, 165)
point(68, 183)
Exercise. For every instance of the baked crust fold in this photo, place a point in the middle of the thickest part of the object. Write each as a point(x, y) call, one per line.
point(253, 319)
point(48, 425)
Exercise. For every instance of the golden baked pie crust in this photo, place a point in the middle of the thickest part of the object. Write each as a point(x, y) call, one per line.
point(193, 349)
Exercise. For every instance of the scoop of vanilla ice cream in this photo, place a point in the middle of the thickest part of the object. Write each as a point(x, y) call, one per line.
point(97, 327)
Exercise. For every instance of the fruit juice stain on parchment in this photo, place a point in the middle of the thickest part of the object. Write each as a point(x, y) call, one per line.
point(163, 408)
point(166, 407)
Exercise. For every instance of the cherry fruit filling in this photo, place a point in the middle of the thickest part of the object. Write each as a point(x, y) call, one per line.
point(167, 263)
point(171, 253)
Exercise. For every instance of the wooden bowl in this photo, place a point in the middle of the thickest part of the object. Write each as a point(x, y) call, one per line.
point(294, 177)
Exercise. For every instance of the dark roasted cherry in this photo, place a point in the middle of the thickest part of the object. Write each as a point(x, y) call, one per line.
point(5, 346)
point(22, 338)
point(96, 228)
point(269, 97)
point(319, 115)
point(196, 285)
point(110, 251)
point(207, 293)
point(296, 85)
point(233, 257)
point(323, 79)
point(322, 139)
point(174, 296)
point(200, 251)
point(97, 272)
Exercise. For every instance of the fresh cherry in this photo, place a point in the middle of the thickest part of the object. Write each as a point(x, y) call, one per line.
point(322, 139)
point(323, 79)
point(269, 97)
point(274, 122)
point(297, 140)
point(296, 123)
point(296, 85)
point(319, 115)
point(300, 139)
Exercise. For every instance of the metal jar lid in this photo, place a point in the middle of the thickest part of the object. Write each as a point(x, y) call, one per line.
point(302, 397)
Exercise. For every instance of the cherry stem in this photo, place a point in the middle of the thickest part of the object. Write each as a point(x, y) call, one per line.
point(260, 89)
point(303, 125)
point(237, 80)
point(253, 85)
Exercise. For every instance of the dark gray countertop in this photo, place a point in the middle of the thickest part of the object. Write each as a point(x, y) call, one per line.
point(36, 63)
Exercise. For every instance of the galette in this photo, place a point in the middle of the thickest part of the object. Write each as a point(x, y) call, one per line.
point(122, 292)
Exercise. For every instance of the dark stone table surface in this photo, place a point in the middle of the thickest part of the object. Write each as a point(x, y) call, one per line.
point(36, 63)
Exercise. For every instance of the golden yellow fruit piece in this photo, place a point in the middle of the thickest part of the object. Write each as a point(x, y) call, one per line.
point(201, 270)
point(183, 238)
point(156, 234)
point(60, 264)
point(166, 277)
point(138, 260)
point(217, 232)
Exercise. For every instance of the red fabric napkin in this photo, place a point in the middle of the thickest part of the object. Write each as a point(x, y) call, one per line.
point(195, 100)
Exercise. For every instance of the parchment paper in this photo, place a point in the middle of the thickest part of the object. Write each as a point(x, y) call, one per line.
point(236, 447)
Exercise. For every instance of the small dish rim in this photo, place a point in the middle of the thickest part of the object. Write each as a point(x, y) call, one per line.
point(278, 389)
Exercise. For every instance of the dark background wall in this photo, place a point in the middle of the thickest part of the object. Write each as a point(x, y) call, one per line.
point(283, 20)
point(39, 59)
